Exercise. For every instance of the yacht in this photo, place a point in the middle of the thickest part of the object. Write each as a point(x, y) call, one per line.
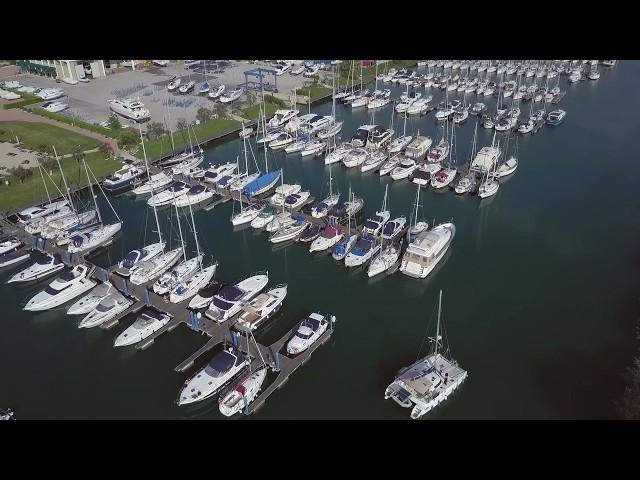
point(281, 117)
point(13, 258)
point(247, 214)
point(507, 168)
point(384, 260)
point(216, 92)
point(67, 286)
point(281, 141)
point(374, 225)
point(330, 131)
point(488, 188)
point(222, 368)
point(169, 280)
point(173, 85)
point(91, 300)
point(418, 107)
point(486, 158)
point(338, 154)
point(44, 266)
point(156, 183)
point(404, 169)
point(269, 137)
point(109, 307)
point(438, 153)
point(465, 184)
point(129, 108)
point(418, 148)
point(190, 286)
point(310, 234)
point(50, 94)
point(265, 217)
point(328, 238)
point(280, 221)
point(149, 322)
point(429, 381)
point(96, 238)
point(379, 138)
point(556, 117)
point(197, 194)
point(389, 165)
point(245, 392)
point(187, 87)
point(261, 308)
point(313, 147)
point(374, 160)
point(290, 232)
point(308, 332)
point(34, 213)
point(168, 196)
point(131, 261)
point(282, 192)
point(426, 250)
point(443, 178)
point(150, 269)
point(123, 178)
point(10, 245)
point(182, 157)
point(364, 249)
point(296, 200)
point(188, 163)
point(231, 298)
point(393, 228)
point(205, 296)
point(231, 95)
point(355, 157)
point(399, 144)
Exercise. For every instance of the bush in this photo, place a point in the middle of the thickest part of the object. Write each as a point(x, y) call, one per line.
point(114, 123)
point(204, 114)
point(20, 173)
point(127, 138)
point(155, 129)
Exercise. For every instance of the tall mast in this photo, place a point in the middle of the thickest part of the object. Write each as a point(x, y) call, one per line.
point(195, 235)
point(155, 212)
point(244, 144)
point(264, 129)
point(95, 202)
point(330, 181)
point(43, 182)
point(184, 252)
point(64, 179)
point(384, 202)
point(438, 327)
point(349, 212)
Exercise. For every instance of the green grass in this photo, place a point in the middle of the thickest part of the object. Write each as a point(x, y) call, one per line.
point(74, 121)
point(27, 99)
point(271, 105)
point(369, 74)
point(33, 135)
point(161, 146)
point(17, 195)
point(314, 91)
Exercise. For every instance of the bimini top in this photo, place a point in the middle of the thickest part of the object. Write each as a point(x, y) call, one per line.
point(196, 189)
point(261, 182)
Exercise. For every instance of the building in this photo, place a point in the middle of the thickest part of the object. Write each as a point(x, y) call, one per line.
point(74, 68)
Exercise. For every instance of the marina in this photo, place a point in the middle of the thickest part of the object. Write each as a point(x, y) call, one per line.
point(484, 229)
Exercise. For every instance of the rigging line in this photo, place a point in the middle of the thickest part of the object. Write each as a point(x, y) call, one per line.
point(426, 334)
point(105, 196)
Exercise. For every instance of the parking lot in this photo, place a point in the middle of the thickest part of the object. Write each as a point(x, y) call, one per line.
point(88, 101)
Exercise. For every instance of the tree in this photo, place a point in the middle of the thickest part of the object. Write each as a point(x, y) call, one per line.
point(76, 153)
point(20, 173)
point(107, 149)
point(181, 124)
point(114, 123)
point(127, 138)
point(47, 162)
point(220, 110)
point(155, 129)
point(204, 114)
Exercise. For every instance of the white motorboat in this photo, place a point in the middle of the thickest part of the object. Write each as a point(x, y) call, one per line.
point(50, 94)
point(231, 298)
point(265, 217)
point(215, 173)
point(187, 87)
point(465, 184)
point(93, 239)
point(149, 322)
point(330, 236)
point(393, 228)
point(313, 147)
point(67, 286)
point(363, 250)
point(33, 213)
point(423, 174)
point(187, 164)
point(174, 84)
point(243, 393)
point(131, 109)
point(217, 92)
point(44, 266)
point(308, 332)
point(384, 260)
point(282, 192)
point(418, 107)
point(389, 165)
point(331, 131)
point(290, 232)
point(507, 168)
point(361, 101)
point(281, 117)
point(261, 308)
point(156, 183)
point(14, 257)
point(426, 250)
point(210, 380)
point(10, 245)
point(247, 214)
point(337, 154)
point(204, 296)
point(189, 287)
point(429, 381)
point(55, 107)
point(374, 160)
point(281, 141)
point(418, 148)
point(160, 63)
point(355, 157)
point(181, 272)
point(131, 261)
point(400, 143)
point(443, 178)
point(231, 95)
point(404, 169)
point(169, 195)
point(150, 269)
point(91, 300)
point(488, 188)
point(197, 194)
point(269, 137)
point(296, 200)
point(280, 221)
point(296, 146)
point(109, 307)
point(123, 178)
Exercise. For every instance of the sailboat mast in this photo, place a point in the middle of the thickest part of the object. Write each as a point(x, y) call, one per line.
point(64, 179)
point(195, 235)
point(95, 202)
point(438, 327)
point(184, 252)
point(43, 182)
point(155, 212)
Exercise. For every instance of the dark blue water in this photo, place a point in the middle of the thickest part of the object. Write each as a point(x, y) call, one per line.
point(539, 287)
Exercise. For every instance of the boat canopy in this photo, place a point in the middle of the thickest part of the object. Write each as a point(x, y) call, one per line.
point(261, 182)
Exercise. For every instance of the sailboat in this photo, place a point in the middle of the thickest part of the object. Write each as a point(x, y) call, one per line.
point(399, 144)
point(334, 127)
point(508, 166)
point(429, 381)
point(375, 224)
point(245, 178)
point(445, 176)
point(344, 247)
point(467, 182)
point(100, 235)
point(490, 185)
point(320, 210)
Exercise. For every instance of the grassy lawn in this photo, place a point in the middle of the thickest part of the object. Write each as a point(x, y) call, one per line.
point(27, 99)
point(16, 194)
point(271, 105)
point(369, 74)
point(314, 91)
point(161, 146)
point(33, 135)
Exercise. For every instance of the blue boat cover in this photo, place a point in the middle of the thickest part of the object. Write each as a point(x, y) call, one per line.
point(261, 182)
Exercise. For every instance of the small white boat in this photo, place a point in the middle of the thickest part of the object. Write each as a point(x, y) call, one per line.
point(355, 157)
point(64, 288)
point(131, 261)
point(93, 239)
point(507, 168)
point(210, 380)
point(281, 141)
point(196, 195)
point(149, 322)
point(216, 92)
point(308, 332)
point(205, 296)
point(169, 195)
point(174, 84)
point(282, 192)
point(150, 269)
point(364, 249)
point(389, 165)
point(187, 164)
point(10, 245)
point(187, 87)
point(55, 107)
point(231, 95)
point(404, 169)
point(44, 265)
point(424, 173)
point(91, 300)
point(265, 217)
point(399, 144)
point(337, 154)
point(393, 228)
point(296, 146)
point(247, 214)
point(330, 236)
point(313, 148)
point(384, 260)
point(231, 298)
point(374, 160)
point(109, 307)
point(418, 148)
point(265, 140)
point(321, 209)
point(157, 183)
point(282, 220)
point(281, 117)
point(70, 81)
point(261, 308)
point(189, 287)
point(246, 132)
point(243, 393)
point(330, 131)
point(290, 232)
point(296, 200)
point(181, 272)
point(443, 178)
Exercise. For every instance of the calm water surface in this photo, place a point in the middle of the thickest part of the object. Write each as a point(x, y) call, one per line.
point(539, 287)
